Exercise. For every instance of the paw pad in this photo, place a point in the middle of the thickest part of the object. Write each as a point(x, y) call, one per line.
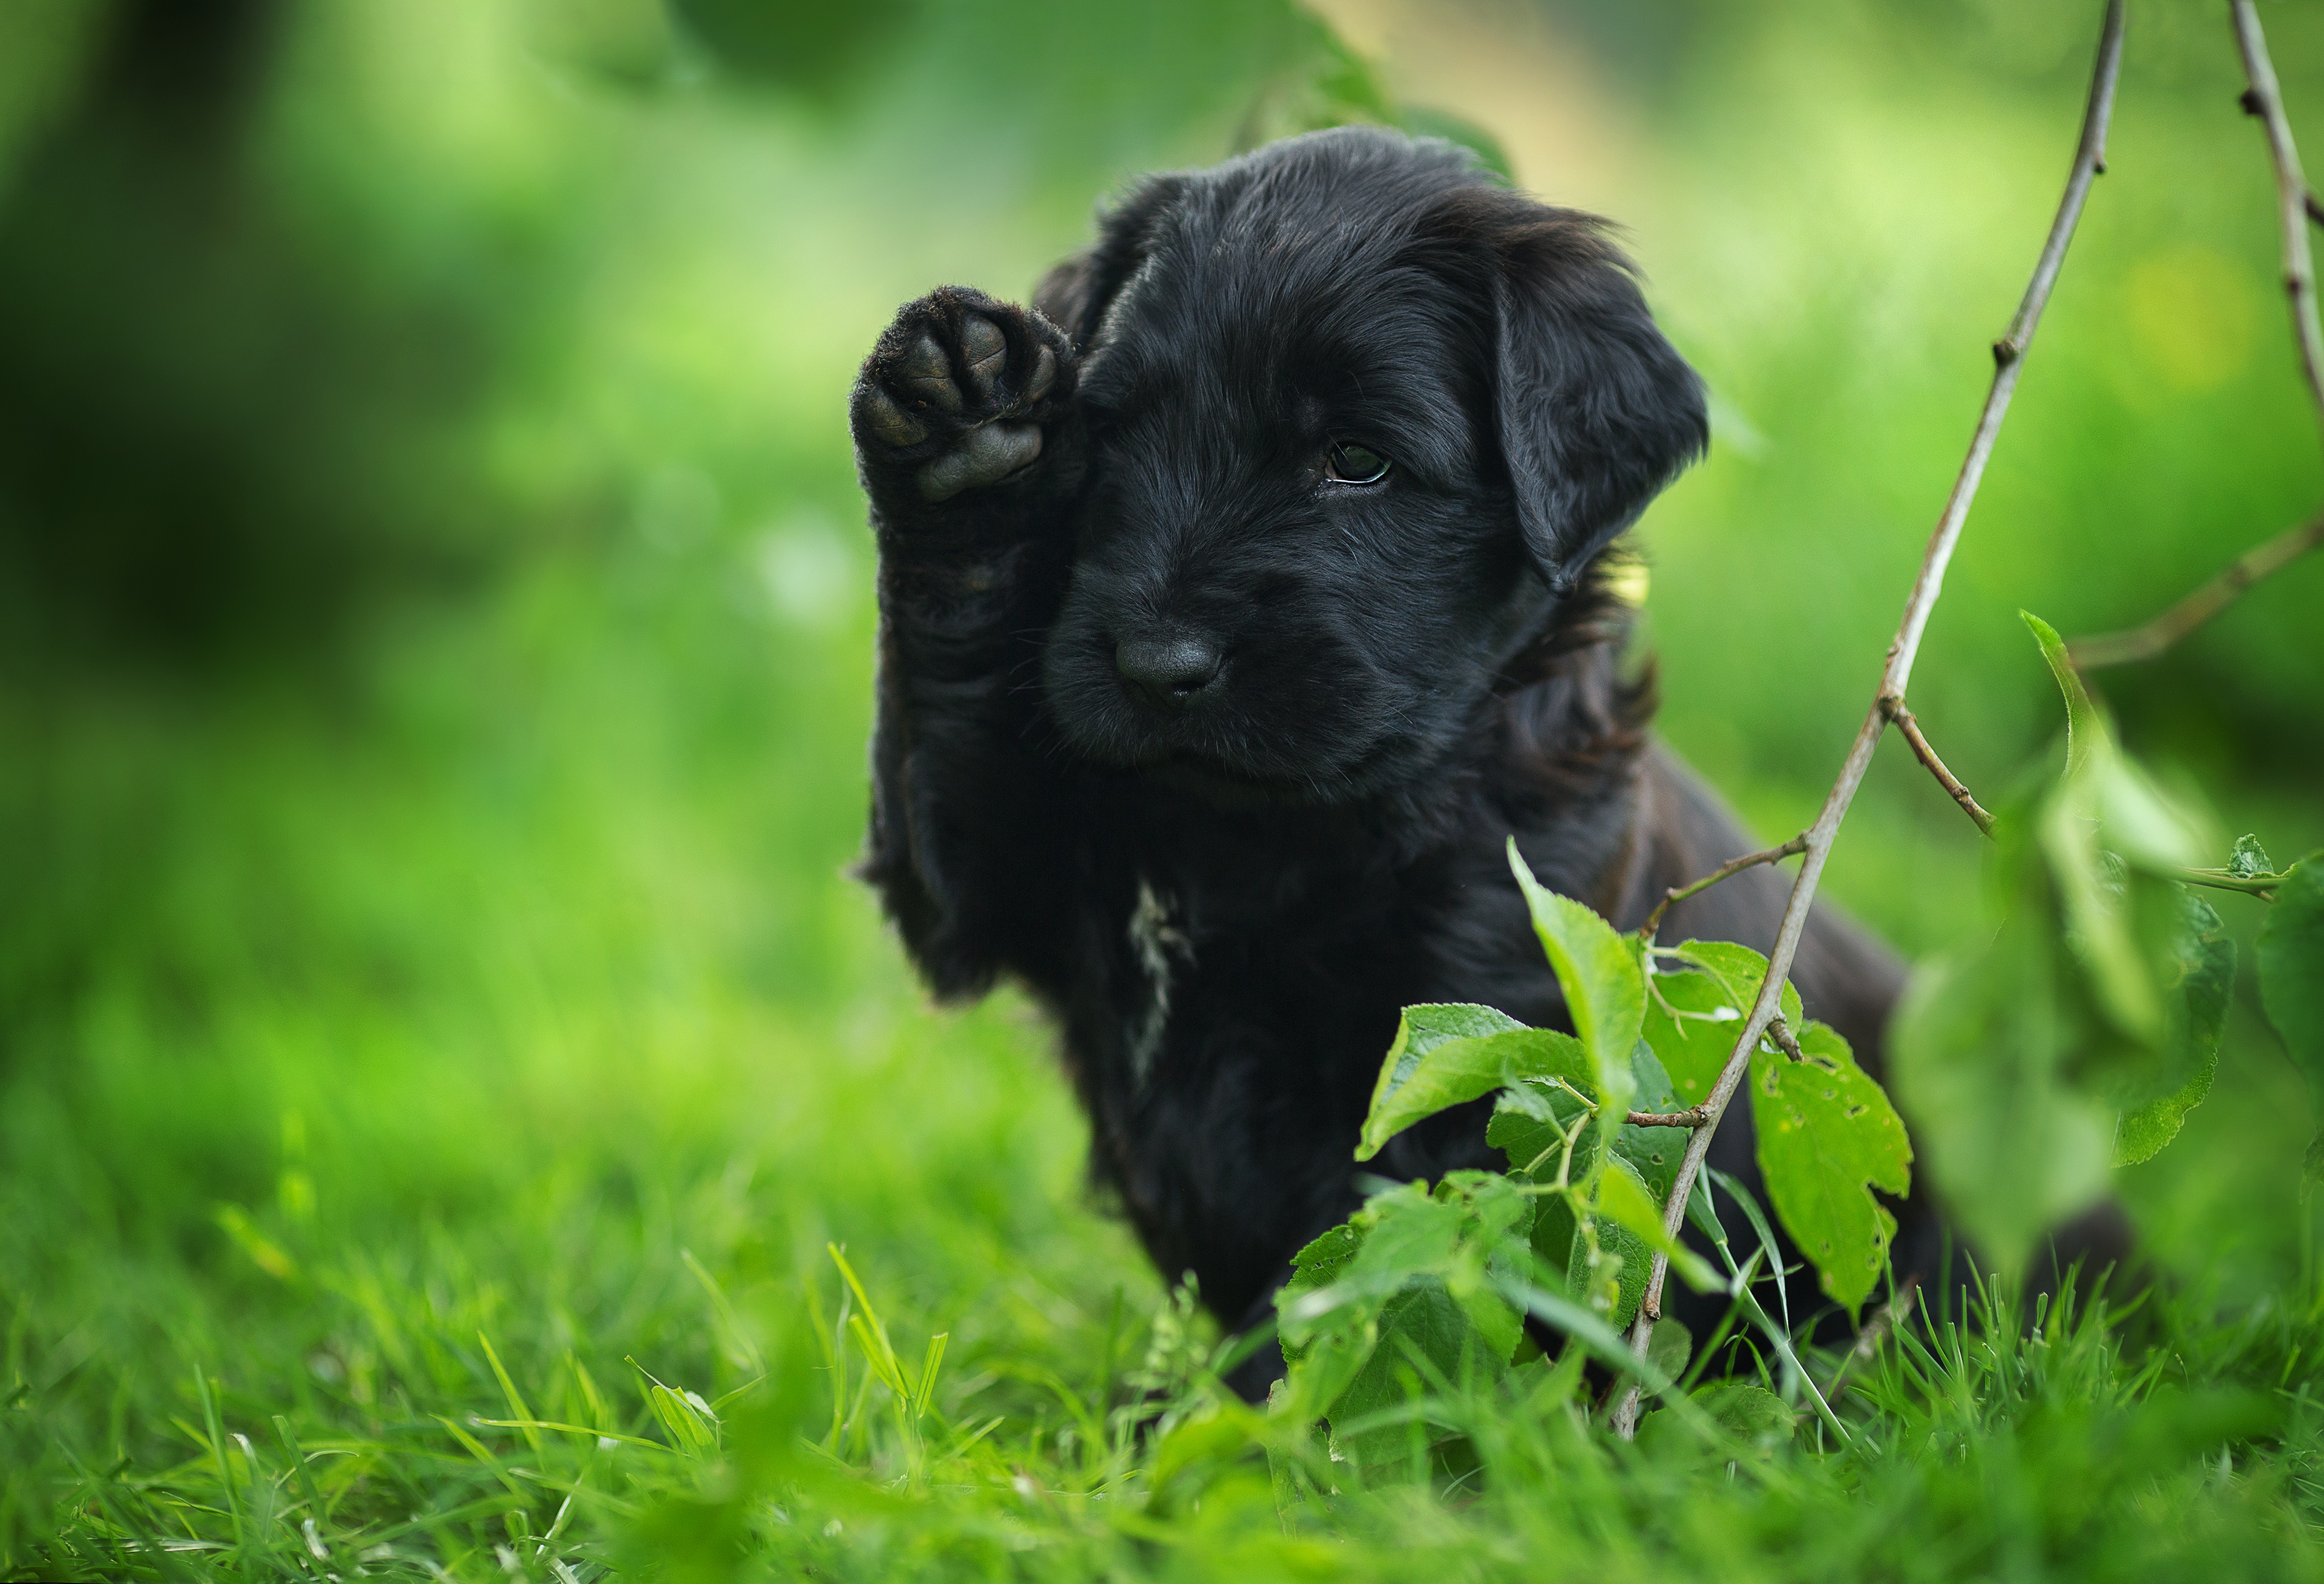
point(955, 392)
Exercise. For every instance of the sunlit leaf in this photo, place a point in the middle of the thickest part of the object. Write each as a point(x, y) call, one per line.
point(1828, 1137)
point(1598, 972)
point(1697, 999)
point(1431, 1066)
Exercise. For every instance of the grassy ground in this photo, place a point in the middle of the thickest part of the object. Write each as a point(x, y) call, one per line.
point(472, 1022)
point(498, 1038)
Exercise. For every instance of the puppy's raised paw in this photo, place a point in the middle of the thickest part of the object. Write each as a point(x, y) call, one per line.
point(954, 395)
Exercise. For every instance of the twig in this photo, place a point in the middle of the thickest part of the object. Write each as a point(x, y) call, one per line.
point(2296, 206)
point(1693, 1116)
point(1780, 1033)
point(1727, 870)
point(1909, 726)
point(2265, 100)
point(2008, 355)
point(2143, 644)
point(2262, 886)
point(1884, 1319)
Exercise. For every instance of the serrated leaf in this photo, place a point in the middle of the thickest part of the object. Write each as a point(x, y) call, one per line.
point(1975, 1054)
point(1453, 1071)
point(2248, 857)
point(2198, 1018)
point(1697, 999)
point(1422, 1028)
point(1597, 970)
point(2291, 956)
point(1828, 1137)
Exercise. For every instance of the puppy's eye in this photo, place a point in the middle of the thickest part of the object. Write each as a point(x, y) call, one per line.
point(1354, 465)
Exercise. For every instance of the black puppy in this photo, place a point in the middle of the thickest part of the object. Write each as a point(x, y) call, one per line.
point(1237, 601)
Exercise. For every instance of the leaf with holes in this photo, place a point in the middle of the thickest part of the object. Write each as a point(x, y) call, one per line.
point(1828, 1137)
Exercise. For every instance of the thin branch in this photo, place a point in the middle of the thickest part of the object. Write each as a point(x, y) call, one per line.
point(2315, 206)
point(2265, 100)
point(1908, 724)
point(1727, 870)
point(2262, 886)
point(1693, 1116)
point(2008, 355)
point(2143, 644)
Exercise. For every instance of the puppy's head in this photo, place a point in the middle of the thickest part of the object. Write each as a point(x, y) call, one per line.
point(1358, 420)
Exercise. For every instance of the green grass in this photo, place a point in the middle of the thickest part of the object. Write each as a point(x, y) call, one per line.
point(492, 1035)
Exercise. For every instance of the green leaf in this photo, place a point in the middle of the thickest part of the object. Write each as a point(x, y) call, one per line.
point(1828, 1136)
point(2197, 1014)
point(1669, 1347)
point(2103, 815)
point(1624, 1197)
point(1373, 1423)
point(1336, 1310)
point(1529, 1128)
point(2249, 859)
point(2085, 728)
point(1422, 1029)
point(1754, 1415)
point(1450, 1070)
point(1697, 999)
point(2291, 954)
point(1976, 1055)
point(1597, 970)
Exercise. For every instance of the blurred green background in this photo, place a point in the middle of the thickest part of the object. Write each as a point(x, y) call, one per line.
point(436, 620)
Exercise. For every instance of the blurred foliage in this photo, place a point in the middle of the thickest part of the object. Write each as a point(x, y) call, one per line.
point(435, 650)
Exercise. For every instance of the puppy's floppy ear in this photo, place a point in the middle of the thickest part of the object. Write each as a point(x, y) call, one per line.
point(1075, 294)
point(1596, 411)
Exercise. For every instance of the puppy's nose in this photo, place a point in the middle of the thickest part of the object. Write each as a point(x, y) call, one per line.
point(1168, 670)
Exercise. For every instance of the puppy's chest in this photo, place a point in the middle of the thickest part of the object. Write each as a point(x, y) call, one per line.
point(1204, 983)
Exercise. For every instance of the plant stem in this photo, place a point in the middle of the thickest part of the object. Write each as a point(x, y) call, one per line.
point(1727, 870)
point(2264, 99)
point(1693, 1116)
point(2008, 355)
point(2296, 206)
point(2262, 886)
point(1909, 726)
point(2143, 644)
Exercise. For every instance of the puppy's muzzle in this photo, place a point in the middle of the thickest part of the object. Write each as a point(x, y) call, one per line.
point(1171, 671)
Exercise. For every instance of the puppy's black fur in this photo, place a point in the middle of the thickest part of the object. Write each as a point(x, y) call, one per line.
point(1216, 752)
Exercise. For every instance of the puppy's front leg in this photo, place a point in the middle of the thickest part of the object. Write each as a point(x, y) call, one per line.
point(966, 442)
